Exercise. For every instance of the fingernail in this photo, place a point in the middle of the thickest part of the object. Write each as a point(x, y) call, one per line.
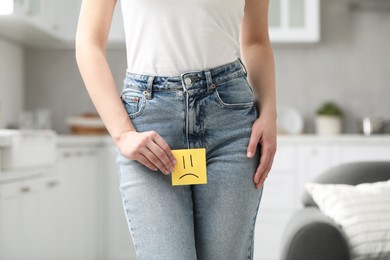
point(249, 154)
point(174, 161)
point(172, 169)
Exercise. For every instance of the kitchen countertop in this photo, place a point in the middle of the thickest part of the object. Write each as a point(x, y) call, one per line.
point(379, 138)
point(72, 140)
point(84, 140)
point(5, 137)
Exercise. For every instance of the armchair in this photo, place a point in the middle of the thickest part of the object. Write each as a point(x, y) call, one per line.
point(310, 235)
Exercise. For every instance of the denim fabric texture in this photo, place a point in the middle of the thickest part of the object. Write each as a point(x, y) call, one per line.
point(212, 109)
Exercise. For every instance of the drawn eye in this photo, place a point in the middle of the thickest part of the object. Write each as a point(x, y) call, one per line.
point(184, 161)
point(184, 167)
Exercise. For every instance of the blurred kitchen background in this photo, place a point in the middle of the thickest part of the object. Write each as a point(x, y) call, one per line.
point(332, 58)
point(349, 64)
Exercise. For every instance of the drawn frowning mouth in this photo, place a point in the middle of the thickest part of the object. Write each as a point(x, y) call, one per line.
point(188, 174)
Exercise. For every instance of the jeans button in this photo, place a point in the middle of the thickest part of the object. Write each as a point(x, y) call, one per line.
point(187, 81)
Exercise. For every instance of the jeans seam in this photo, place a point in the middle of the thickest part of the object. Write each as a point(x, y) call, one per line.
point(251, 236)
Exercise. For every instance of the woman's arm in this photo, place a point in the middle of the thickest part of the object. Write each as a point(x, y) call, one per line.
point(257, 57)
point(92, 33)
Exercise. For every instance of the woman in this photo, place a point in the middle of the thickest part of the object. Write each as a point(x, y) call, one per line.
point(200, 74)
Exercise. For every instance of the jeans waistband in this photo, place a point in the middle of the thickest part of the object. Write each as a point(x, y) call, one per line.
point(186, 80)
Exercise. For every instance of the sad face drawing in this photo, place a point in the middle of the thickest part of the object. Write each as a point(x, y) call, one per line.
point(190, 167)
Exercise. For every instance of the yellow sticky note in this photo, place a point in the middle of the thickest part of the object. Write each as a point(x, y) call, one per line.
point(190, 167)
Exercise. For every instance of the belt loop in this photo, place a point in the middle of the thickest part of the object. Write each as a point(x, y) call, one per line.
point(243, 66)
point(149, 88)
point(209, 81)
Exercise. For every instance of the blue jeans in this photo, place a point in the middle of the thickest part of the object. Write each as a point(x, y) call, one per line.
point(212, 109)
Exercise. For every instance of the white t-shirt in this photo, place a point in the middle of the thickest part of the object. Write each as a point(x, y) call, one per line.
point(169, 37)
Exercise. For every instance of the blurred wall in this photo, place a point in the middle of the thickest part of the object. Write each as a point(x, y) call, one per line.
point(11, 82)
point(53, 81)
point(350, 65)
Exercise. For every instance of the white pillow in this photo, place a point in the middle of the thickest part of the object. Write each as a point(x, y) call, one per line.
point(363, 212)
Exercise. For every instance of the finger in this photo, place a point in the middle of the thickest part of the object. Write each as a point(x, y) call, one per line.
point(165, 147)
point(145, 161)
point(252, 146)
point(264, 158)
point(161, 155)
point(264, 175)
point(266, 172)
point(259, 185)
point(153, 158)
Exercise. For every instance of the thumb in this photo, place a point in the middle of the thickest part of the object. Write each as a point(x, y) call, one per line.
point(253, 141)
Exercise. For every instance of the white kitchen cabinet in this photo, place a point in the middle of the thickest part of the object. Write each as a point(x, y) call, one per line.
point(278, 203)
point(294, 21)
point(33, 23)
point(92, 177)
point(52, 24)
point(79, 168)
point(56, 214)
point(30, 218)
point(284, 177)
point(62, 17)
point(20, 221)
point(269, 230)
point(51, 231)
point(353, 153)
point(51, 13)
point(314, 159)
point(118, 242)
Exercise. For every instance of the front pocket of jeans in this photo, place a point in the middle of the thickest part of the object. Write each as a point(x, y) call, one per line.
point(234, 93)
point(134, 102)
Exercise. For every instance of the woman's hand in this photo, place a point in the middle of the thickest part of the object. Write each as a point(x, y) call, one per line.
point(263, 133)
point(149, 148)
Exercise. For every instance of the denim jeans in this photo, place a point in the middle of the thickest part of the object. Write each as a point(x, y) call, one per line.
point(212, 109)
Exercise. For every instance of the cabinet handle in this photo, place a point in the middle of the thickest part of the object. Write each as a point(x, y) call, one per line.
point(25, 189)
point(52, 183)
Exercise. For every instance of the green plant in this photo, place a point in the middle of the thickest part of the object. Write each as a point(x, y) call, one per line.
point(329, 108)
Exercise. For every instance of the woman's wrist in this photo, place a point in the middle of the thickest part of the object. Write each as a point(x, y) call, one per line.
point(269, 111)
point(118, 137)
